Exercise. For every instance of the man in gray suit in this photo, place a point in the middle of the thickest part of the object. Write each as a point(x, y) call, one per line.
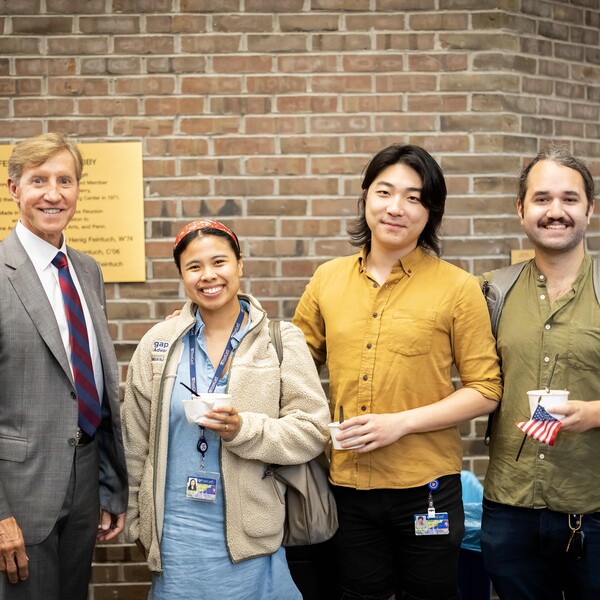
point(62, 479)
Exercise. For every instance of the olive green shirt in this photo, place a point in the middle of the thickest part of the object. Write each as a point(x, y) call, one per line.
point(564, 477)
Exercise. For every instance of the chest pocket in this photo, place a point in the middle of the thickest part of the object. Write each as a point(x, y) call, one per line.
point(411, 331)
point(584, 349)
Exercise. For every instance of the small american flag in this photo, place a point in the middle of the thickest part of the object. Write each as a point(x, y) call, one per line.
point(542, 426)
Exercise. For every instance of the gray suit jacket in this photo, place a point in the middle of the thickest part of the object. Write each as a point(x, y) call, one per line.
point(38, 406)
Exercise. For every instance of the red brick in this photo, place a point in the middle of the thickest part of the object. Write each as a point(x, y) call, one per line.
point(243, 64)
point(211, 84)
point(19, 45)
point(211, 44)
point(37, 106)
point(341, 83)
point(42, 25)
point(341, 5)
point(243, 187)
point(80, 127)
point(277, 206)
point(74, 46)
point(310, 227)
point(373, 63)
point(27, 7)
point(303, 186)
point(333, 247)
point(438, 62)
point(378, 22)
point(278, 247)
point(378, 103)
point(210, 166)
point(341, 42)
point(342, 165)
point(176, 23)
point(124, 65)
point(156, 44)
point(142, 6)
point(144, 85)
point(215, 207)
point(178, 187)
point(309, 22)
point(273, 6)
point(405, 41)
point(339, 124)
point(173, 106)
point(263, 125)
point(276, 166)
point(160, 168)
point(77, 86)
point(210, 125)
point(208, 6)
point(244, 146)
point(242, 23)
point(334, 207)
point(4, 108)
point(111, 25)
point(240, 105)
point(277, 42)
point(307, 104)
point(405, 82)
point(437, 103)
point(48, 66)
point(306, 64)
point(406, 122)
point(73, 7)
point(272, 84)
point(310, 144)
point(142, 127)
point(108, 106)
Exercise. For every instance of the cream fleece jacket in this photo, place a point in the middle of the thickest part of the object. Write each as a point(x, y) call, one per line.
point(290, 432)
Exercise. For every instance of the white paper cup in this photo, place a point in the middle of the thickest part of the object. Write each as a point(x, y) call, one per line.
point(546, 399)
point(334, 430)
point(198, 406)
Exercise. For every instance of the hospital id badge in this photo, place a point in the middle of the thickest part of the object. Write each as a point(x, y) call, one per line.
point(202, 487)
point(435, 524)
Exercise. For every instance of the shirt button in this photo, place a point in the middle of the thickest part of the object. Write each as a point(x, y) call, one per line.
point(72, 442)
point(363, 408)
point(374, 315)
point(542, 278)
point(73, 395)
point(542, 297)
point(546, 359)
point(365, 377)
point(542, 456)
point(374, 285)
point(369, 346)
point(547, 326)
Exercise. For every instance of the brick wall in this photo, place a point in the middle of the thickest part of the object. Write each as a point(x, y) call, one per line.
point(262, 113)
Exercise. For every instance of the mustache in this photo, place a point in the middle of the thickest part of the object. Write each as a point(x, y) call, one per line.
point(561, 221)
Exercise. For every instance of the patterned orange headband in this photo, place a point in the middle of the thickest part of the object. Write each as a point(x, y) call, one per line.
point(205, 224)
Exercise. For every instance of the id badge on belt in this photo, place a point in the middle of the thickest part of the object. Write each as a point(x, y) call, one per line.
point(432, 522)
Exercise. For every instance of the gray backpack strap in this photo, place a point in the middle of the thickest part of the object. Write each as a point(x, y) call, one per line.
point(495, 291)
point(275, 333)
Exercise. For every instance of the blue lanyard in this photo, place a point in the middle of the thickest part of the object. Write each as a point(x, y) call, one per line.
point(202, 445)
point(222, 362)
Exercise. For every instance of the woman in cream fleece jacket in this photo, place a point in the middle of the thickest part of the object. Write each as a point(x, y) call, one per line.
point(279, 415)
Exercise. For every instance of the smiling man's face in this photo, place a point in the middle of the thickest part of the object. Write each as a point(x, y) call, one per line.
point(47, 196)
point(555, 212)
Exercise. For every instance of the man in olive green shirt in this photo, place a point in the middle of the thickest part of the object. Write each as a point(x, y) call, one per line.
point(541, 521)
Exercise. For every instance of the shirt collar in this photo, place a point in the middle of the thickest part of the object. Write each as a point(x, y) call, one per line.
point(408, 263)
point(39, 251)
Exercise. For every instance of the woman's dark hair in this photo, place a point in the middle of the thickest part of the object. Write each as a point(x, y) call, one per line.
point(192, 235)
point(433, 194)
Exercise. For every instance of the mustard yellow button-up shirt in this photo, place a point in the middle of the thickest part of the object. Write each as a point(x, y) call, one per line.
point(391, 348)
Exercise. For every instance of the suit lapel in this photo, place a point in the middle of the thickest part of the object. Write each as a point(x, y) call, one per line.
point(30, 291)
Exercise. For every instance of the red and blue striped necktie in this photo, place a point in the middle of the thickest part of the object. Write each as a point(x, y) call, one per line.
point(81, 360)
